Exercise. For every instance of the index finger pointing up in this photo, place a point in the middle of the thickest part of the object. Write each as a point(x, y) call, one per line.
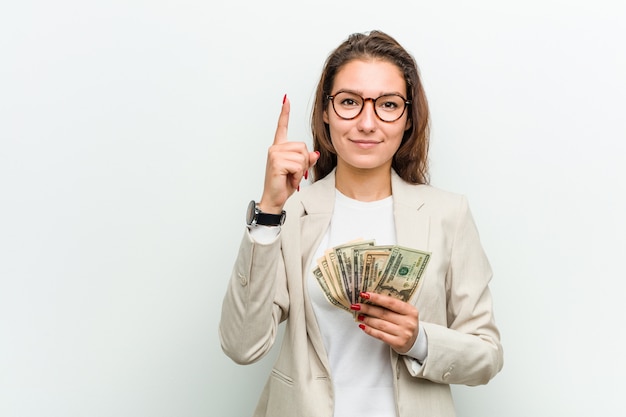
point(283, 122)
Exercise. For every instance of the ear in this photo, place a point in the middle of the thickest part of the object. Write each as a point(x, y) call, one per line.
point(325, 116)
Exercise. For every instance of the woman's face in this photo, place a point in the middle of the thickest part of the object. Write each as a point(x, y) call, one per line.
point(366, 142)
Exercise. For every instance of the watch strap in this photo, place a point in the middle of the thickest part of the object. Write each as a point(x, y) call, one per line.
point(267, 219)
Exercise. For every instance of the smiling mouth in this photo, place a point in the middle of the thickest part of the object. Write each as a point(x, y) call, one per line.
point(366, 142)
point(365, 145)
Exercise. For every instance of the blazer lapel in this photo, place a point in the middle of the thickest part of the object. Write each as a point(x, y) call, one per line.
point(412, 225)
point(317, 209)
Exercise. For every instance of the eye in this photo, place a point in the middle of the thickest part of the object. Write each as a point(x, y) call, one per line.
point(389, 103)
point(349, 102)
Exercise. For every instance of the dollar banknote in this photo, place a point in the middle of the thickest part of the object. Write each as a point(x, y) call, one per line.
point(374, 262)
point(346, 270)
point(330, 296)
point(345, 262)
point(402, 273)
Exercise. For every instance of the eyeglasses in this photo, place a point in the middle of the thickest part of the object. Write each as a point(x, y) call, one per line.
point(388, 107)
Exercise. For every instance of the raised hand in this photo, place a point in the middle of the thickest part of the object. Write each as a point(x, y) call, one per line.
point(287, 163)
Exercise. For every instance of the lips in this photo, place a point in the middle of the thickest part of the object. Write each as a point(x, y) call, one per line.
point(365, 141)
point(365, 144)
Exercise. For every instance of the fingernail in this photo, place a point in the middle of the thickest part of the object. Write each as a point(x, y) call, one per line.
point(356, 307)
point(360, 317)
point(306, 174)
point(298, 189)
point(365, 295)
point(284, 98)
point(362, 326)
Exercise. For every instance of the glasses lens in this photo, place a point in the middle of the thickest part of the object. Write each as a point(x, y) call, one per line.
point(389, 108)
point(347, 105)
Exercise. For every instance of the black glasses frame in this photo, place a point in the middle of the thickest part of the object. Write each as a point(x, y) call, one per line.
point(331, 98)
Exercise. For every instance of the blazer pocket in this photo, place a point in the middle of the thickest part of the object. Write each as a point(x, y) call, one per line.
point(282, 377)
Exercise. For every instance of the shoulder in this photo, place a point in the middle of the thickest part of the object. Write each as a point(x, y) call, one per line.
point(425, 197)
point(416, 191)
point(434, 195)
point(440, 203)
point(433, 192)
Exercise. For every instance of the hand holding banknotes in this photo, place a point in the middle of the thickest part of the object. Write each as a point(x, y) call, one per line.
point(388, 319)
point(384, 278)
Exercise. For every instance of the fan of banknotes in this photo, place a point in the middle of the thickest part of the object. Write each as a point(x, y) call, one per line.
point(346, 270)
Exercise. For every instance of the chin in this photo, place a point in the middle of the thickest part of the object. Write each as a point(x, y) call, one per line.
point(369, 164)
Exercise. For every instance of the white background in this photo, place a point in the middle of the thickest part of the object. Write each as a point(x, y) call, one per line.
point(133, 134)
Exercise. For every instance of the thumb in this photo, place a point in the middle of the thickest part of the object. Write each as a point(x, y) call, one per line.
point(313, 158)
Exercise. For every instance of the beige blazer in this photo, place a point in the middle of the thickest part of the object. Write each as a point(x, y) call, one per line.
point(267, 287)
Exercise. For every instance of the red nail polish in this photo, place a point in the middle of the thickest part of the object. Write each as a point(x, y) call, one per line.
point(365, 295)
point(362, 326)
point(360, 317)
point(306, 174)
point(298, 189)
point(356, 307)
point(284, 98)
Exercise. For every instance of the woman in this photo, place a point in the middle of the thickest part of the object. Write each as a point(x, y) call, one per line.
point(370, 130)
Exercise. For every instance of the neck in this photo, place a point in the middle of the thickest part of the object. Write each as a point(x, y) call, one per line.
point(364, 185)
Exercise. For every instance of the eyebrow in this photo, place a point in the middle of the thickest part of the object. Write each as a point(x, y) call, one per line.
point(360, 93)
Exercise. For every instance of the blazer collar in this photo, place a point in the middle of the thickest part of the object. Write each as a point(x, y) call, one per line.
point(321, 197)
point(318, 202)
point(412, 224)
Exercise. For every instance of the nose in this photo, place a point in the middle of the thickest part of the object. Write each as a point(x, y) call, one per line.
point(367, 119)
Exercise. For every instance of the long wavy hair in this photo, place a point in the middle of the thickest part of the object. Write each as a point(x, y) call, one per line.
point(411, 158)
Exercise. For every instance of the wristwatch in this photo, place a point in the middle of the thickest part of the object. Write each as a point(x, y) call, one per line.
point(255, 216)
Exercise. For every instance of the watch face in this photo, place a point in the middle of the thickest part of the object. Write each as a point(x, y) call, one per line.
point(251, 212)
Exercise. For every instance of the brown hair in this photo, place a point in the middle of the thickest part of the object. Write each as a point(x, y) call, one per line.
point(411, 159)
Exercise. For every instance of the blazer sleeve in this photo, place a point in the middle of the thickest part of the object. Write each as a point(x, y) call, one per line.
point(467, 350)
point(256, 301)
